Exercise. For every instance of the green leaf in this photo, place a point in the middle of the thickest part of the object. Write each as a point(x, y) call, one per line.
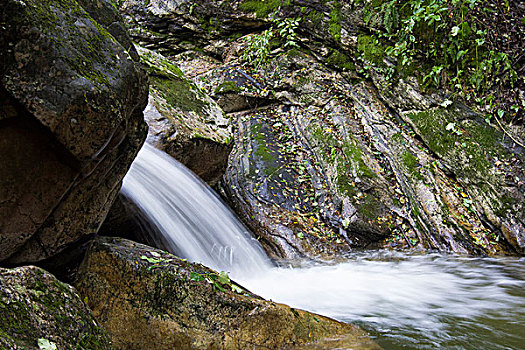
point(45, 344)
point(455, 31)
point(237, 289)
point(194, 276)
point(218, 286)
point(224, 278)
point(151, 260)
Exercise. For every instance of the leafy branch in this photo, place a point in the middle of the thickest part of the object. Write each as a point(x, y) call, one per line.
point(259, 45)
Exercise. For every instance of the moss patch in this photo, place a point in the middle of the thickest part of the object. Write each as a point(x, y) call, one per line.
point(34, 305)
point(69, 26)
point(469, 148)
point(227, 86)
point(411, 164)
point(261, 8)
point(340, 60)
point(334, 24)
point(370, 49)
point(171, 84)
point(346, 157)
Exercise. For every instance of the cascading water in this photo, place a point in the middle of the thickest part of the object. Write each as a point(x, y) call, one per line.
point(194, 222)
point(405, 301)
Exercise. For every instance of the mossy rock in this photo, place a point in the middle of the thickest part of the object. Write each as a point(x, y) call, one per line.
point(184, 121)
point(37, 310)
point(75, 98)
point(475, 153)
point(149, 298)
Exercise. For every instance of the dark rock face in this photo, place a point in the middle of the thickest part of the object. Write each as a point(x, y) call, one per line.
point(174, 26)
point(70, 122)
point(326, 160)
point(145, 296)
point(39, 312)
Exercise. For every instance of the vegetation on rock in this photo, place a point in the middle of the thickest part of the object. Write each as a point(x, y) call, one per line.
point(172, 303)
point(39, 312)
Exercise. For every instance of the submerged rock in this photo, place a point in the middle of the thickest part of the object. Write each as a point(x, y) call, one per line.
point(39, 312)
point(148, 298)
point(71, 101)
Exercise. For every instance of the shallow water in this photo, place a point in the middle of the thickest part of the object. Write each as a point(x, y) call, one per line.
point(405, 301)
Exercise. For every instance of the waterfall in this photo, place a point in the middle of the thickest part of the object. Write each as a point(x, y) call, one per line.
point(192, 219)
point(405, 301)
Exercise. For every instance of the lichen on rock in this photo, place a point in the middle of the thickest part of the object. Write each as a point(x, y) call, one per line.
point(144, 296)
point(36, 309)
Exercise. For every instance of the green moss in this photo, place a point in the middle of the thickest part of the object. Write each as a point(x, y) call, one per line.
point(334, 24)
point(262, 151)
point(179, 93)
point(411, 164)
point(351, 158)
point(466, 153)
point(315, 17)
point(65, 316)
point(354, 153)
point(170, 83)
point(227, 86)
point(369, 207)
point(156, 64)
point(261, 8)
point(91, 53)
point(340, 60)
point(294, 53)
point(370, 49)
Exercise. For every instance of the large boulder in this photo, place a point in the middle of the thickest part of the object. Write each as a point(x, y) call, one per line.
point(37, 311)
point(71, 101)
point(184, 121)
point(146, 297)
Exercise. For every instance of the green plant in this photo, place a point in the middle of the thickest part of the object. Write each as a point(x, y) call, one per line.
point(218, 280)
point(286, 29)
point(259, 45)
point(447, 43)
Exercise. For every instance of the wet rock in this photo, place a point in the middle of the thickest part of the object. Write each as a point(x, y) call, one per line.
point(174, 26)
point(329, 156)
point(39, 312)
point(144, 296)
point(70, 122)
point(184, 121)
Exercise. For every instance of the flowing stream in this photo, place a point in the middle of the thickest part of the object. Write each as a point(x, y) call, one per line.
point(191, 219)
point(405, 301)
